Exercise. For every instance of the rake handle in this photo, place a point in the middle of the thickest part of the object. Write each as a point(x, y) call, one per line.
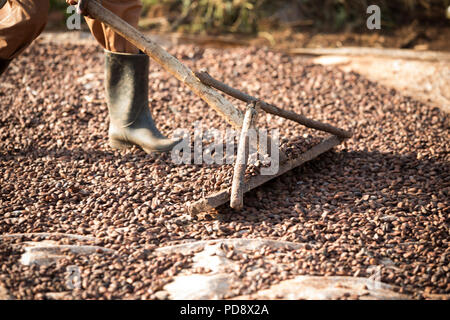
point(171, 64)
point(210, 81)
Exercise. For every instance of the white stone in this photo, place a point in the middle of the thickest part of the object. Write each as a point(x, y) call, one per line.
point(326, 288)
point(236, 243)
point(212, 258)
point(198, 287)
point(48, 251)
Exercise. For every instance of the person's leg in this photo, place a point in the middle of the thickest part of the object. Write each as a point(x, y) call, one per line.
point(126, 83)
point(128, 10)
point(21, 21)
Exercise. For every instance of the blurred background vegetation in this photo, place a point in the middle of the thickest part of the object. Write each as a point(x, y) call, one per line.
point(253, 16)
point(417, 24)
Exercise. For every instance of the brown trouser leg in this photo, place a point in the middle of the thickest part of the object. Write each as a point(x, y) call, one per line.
point(128, 10)
point(21, 21)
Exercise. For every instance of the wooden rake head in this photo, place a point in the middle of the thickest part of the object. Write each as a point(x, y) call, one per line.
point(203, 85)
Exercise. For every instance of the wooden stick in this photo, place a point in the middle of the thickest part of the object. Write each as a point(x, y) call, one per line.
point(216, 199)
point(210, 81)
point(172, 65)
point(237, 186)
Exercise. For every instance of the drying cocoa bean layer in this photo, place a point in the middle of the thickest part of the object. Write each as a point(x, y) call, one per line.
point(379, 200)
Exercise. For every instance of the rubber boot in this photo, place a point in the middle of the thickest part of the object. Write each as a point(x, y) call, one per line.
point(131, 122)
point(3, 65)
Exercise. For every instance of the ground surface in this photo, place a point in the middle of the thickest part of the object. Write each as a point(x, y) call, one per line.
point(379, 201)
point(413, 36)
point(428, 81)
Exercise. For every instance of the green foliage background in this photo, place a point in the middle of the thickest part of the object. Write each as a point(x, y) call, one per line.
point(251, 16)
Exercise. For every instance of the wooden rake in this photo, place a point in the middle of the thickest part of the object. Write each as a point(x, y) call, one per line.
point(203, 85)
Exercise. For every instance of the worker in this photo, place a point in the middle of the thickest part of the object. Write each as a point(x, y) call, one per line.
point(126, 68)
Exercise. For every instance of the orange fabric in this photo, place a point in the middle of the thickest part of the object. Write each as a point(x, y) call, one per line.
point(128, 10)
point(21, 21)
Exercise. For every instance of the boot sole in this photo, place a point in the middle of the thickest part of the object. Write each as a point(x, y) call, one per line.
point(121, 145)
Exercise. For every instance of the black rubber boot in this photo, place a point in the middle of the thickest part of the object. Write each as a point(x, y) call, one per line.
point(131, 122)
point(3, 65)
